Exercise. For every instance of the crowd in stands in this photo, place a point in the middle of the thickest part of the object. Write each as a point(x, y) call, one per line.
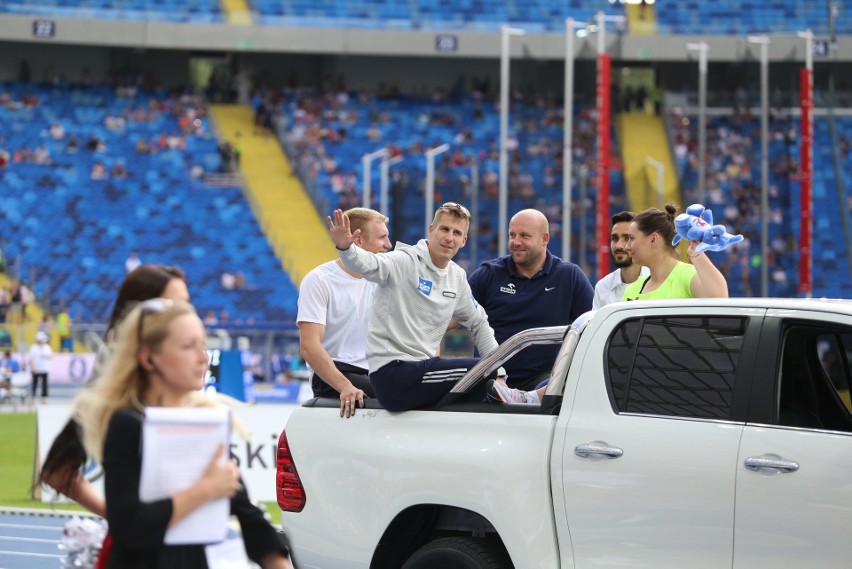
point(326, 133)
point(723, 17)
point(122, 168)
point(732, 189)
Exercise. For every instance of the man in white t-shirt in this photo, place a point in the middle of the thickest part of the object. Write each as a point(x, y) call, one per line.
point(611, 288)
point(334, 308)
point(38, 358)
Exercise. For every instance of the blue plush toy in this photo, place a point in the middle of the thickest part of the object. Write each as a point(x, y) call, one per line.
point(697, 225)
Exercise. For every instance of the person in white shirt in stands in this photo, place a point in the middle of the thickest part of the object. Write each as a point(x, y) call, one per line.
point(334, 308)
point(38, 358)
point(132, 263)
point(611, 288)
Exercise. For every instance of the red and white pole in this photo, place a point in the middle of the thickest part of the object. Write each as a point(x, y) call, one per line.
point(806, 98)
point(603, 136)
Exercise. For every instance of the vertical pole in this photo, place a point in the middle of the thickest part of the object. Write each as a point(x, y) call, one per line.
point(702, 122)
point(603, 139)
point(474, 214)
point(383, 191)
point(764, 166)
point(366, 162)
point(429, 208)
point(504, 130)
point(567, 139)
point(582, 257)
point(806, 97)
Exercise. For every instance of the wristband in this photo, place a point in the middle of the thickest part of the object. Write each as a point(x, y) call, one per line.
point(339, 249)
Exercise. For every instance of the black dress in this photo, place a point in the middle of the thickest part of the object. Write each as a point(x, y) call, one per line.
point(138, 528)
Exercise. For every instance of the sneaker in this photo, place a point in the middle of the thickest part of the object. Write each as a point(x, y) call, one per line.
point(507, 395)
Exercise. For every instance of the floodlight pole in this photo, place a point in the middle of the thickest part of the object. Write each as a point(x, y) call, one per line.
point(505, 35)
point(806, 206)
point(702, 48)
point(429, 209)
point(763, 42)
point(567, 136)
point(367, 161)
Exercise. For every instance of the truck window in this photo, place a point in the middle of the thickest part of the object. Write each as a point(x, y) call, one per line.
point(675, 366)
point(813, 383)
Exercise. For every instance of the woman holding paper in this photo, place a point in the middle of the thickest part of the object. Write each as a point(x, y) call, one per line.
point(62, 465)
point(159, 360)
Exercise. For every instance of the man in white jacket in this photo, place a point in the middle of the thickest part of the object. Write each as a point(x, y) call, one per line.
point(420, 290)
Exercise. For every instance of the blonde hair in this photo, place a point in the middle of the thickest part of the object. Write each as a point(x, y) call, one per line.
point(362, 217)
point(122, 380)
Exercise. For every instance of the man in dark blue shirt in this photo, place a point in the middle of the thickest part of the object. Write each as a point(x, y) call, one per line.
point(530, 288)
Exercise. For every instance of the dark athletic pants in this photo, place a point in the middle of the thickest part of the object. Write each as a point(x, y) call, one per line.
point(43, 378)
point(358, 376)
point(403, 385)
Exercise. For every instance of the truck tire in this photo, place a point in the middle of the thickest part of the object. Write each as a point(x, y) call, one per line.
point(459, 553)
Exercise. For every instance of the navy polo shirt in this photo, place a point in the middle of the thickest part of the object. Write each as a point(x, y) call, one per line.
point(555, 296)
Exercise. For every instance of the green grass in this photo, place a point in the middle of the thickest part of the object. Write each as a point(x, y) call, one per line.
point(17, 447)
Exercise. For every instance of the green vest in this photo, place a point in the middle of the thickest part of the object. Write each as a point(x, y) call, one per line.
point(676, 285)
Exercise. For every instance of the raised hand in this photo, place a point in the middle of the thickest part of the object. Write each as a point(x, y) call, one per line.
point(340, 231)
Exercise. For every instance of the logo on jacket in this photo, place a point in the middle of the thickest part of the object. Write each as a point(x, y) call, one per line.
point(424, 286)
point(508, 289)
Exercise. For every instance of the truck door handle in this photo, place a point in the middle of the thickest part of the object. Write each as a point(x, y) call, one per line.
point(597, 448)
point(757, 463)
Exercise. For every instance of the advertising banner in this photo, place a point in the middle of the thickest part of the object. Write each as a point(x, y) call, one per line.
point(255, 457)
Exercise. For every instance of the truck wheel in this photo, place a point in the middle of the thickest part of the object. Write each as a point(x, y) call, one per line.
point(459, 553)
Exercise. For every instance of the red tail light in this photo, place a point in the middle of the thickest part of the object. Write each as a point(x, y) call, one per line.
point(288, 486)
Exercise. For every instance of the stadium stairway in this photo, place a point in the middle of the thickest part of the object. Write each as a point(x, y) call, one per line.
point(642, 136)
point(641, 19)
point(287, 216)
point(236, 12)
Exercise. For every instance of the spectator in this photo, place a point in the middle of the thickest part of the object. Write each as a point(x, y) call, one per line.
point(5, 304)
point(228, 280)
point(63, 330)
point(57, 131)
point(73, 145)
point(132, 263)
point(119, 171)
point(38, 359)
point(41, 156)
point(99, 171)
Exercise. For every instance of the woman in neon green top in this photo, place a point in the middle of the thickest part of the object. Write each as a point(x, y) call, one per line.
point(650, 244)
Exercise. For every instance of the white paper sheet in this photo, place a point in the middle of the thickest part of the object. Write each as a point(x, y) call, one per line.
point(177, 445)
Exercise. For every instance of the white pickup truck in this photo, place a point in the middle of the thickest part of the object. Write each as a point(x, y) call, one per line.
point(697, 433)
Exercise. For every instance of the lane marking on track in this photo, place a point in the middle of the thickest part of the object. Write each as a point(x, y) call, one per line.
point(19, 553)
point(30, 539)
point(22, 526)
